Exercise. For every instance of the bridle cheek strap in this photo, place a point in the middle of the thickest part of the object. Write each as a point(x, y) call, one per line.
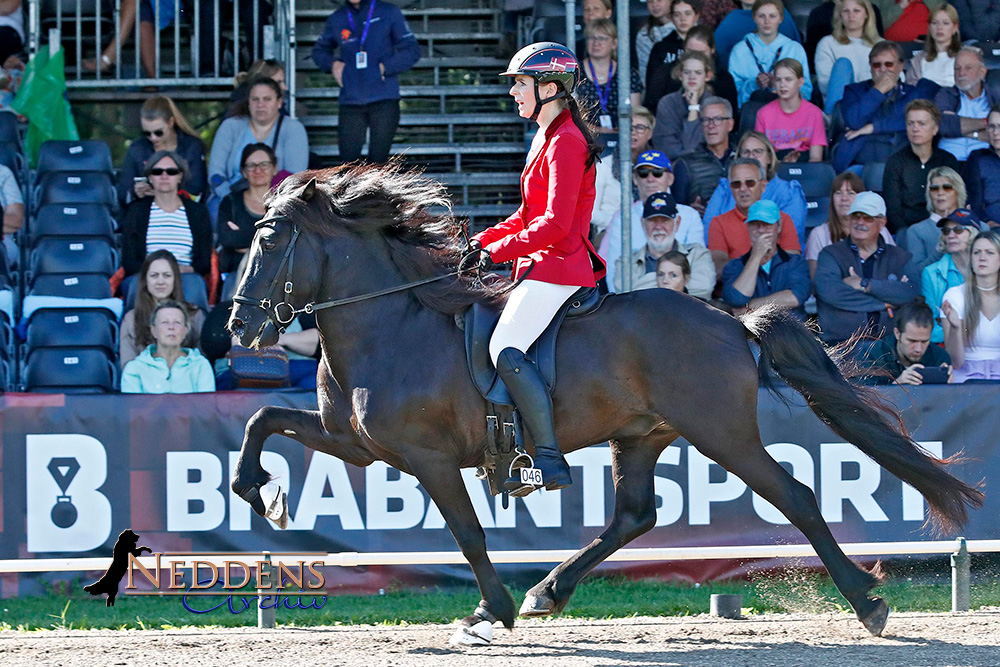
point(281, 318)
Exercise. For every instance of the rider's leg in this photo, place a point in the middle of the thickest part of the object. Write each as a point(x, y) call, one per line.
point(529, 310)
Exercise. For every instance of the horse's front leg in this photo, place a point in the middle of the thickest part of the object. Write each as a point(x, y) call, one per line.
point(441, 476)
point(250, 481)
point(633, 463)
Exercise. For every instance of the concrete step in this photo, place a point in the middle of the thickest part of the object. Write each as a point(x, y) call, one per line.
point(439, 149)
point(308, 34)
point(415, 91)
point(428, 119)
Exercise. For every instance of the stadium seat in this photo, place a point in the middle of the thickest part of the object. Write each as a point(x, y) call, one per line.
point(74, 156)
point(87, 187)
point(872, 174)
point(991, 54)
point(193, 286)
point(911, 49)
point(817, 212)
point(72, 328)
point(69, 370)
point(72, 255)
point(73, 220)
point(10, 129)
point(73, 286)
point(11, 157)
point(816, 178)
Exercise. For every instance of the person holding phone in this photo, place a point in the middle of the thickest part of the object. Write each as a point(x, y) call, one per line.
point(905, 354)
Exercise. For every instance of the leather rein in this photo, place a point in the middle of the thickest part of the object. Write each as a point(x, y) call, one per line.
point(283, 312)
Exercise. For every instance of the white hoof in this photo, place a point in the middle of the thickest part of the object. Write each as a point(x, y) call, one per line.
point(480, 634)
point(276, 504)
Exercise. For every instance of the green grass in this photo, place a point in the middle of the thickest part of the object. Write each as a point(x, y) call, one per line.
point(595, 598)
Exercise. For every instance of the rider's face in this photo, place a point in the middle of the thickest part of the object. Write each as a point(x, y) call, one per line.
point(523, 92)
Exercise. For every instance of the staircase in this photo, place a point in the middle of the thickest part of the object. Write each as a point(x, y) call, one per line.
point(457, 120)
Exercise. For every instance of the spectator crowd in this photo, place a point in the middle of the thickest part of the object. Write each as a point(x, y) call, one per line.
point(851, 175)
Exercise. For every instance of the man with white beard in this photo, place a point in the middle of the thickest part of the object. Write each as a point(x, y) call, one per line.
point(660, 221)
point(653, 172)
point(965, 106)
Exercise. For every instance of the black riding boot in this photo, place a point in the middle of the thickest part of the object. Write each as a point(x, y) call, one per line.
point(531, 396)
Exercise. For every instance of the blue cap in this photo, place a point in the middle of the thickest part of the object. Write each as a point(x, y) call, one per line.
point(964, 217)
point(660, 203)
point(764, 210)
point(654, 159)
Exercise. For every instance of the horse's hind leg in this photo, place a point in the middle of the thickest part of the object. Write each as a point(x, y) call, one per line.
point(633, 464)
point(250, 477)
point(751, 463)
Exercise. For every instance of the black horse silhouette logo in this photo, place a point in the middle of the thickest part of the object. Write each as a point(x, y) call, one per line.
point(125, 545)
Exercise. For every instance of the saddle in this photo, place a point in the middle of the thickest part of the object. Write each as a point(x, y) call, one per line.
point(504, 452)
point(481, 320)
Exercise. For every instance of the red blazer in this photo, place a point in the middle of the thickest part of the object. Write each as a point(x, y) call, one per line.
point(552, 224)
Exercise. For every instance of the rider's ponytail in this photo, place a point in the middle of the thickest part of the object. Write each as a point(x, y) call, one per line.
point(594, 149)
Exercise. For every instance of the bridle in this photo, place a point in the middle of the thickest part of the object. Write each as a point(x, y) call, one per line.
point(283, 312)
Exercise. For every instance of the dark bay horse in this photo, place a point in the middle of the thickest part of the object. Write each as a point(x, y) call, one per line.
point(394, 384)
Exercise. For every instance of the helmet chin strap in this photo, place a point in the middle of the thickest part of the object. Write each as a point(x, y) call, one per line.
point(539, 101)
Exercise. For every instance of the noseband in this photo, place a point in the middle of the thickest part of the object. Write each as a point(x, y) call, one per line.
point(283, 312)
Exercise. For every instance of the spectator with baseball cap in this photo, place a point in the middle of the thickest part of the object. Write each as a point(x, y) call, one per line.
point(728, 237)
point(958, 229)
point(858, 279)
point(653, 172)
point(660, 221)
point(766, 274)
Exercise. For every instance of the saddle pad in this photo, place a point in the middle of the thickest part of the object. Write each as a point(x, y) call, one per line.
point(481, 320)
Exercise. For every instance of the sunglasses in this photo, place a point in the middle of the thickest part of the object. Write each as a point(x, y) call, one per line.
point(153, 133)
point(169, 171)
point(646, 173)
point(952, 229)
point(942, 186)
point(738, 185)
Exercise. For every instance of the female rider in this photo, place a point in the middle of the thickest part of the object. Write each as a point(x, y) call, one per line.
point(546, 237)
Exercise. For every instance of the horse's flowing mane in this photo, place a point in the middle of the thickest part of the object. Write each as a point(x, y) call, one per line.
point(395, 204)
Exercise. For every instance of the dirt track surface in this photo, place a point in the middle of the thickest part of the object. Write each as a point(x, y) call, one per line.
point(911, 640)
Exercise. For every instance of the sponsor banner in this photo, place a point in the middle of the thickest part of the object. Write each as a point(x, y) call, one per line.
point(77, 470)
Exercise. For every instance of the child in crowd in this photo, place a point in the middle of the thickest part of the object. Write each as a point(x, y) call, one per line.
point(794, 126)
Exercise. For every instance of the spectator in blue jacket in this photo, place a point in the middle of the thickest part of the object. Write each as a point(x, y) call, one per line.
point(874, 111)
point(965, 106)
point(767, 274)
point(752, 59)
point(859, 278)
point(788, 195)
point(982, 173)
point(739, 23)
point(165, 367)
point(376, 46)
point(958, 230)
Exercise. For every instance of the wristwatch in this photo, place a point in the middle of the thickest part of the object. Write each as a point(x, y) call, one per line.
point(865, 282)
point(694, 107)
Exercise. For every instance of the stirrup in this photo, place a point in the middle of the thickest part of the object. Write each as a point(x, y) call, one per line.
point(523, 477)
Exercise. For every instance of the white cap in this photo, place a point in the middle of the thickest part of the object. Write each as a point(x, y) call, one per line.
point(868, 203)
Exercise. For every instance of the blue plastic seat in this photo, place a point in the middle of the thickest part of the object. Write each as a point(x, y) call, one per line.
point(69, 370)
point(73, 220)
point(91, 254)
point(85, 187)
point(72, 328)
point(816, 178)
point(72, 286)
point(75, 156)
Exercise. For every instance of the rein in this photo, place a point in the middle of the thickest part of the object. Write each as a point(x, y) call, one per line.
point(284, 316)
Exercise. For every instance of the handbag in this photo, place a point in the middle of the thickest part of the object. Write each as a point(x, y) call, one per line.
point(259, 369)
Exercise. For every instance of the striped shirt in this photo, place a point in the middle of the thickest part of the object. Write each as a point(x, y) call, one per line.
point(170, 231)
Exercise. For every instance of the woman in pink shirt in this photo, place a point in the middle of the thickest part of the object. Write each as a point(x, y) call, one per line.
point(793, 125)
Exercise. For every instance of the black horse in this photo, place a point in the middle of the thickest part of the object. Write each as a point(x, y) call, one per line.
point(394, 384)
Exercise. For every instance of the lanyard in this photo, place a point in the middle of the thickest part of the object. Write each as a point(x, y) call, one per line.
point(777, 56)
point(603, 92)
point(368, 22)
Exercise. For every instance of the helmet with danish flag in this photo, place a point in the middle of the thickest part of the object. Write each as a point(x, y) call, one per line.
point(546, 62)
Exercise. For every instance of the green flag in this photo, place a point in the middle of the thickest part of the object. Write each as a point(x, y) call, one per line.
point(42, 98)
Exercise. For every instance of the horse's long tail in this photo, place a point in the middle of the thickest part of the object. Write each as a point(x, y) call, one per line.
point(856, 413)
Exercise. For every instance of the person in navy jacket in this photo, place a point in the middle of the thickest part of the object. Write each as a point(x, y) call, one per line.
point(546, 238)
point(874, 111)
point(375, 46)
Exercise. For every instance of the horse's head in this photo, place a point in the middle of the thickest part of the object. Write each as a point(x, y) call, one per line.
point(281, 276)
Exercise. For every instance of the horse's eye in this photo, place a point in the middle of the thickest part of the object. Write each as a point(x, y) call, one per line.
point(268, 244)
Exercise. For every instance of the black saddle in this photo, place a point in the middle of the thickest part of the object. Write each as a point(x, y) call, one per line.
point(480, 321)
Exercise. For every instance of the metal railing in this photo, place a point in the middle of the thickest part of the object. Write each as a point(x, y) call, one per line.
point(201, 42)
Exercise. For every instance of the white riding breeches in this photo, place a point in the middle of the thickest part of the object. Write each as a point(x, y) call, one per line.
point(529, 310)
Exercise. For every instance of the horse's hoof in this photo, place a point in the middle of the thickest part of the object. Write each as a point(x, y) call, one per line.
point(276, 504)
point(876, 619)
point(537, 605)
point(478, 634)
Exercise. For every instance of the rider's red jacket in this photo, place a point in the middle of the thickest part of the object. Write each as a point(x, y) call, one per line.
point(552, 224)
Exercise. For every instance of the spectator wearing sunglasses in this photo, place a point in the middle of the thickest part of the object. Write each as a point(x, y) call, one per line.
point(945, 194)
point(163, 129)
point(169, 220)
point(957, 231)
point(728, 234)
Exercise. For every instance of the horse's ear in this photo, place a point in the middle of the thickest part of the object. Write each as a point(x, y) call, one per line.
point(308, 190)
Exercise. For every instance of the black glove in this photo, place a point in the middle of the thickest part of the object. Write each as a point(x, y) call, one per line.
point(486, 263)
point(472, 256)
